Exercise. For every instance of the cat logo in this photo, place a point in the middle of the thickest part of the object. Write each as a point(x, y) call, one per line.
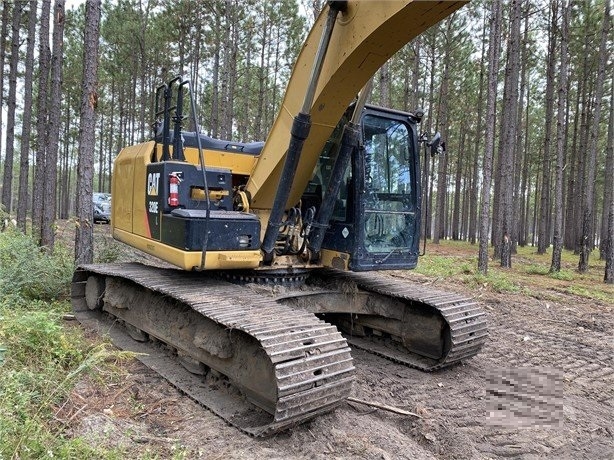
point(152, 183)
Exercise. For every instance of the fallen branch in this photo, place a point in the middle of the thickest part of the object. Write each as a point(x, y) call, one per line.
point(72, 417)
point(396, 410)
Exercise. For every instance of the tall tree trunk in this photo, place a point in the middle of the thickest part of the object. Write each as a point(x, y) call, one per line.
point(457, 186)
point(491, 110)
point(101, 158)
point(24, 168)
point(429, 175)
point(525, 185)
point(442, 121)
point(7, 187)
point(414, 102)
point(609, 249)
point(555, 266)
point(65, 175)
point(44, 60)
point(111, 136)
point(519, 152)
point(509, 137)
point(384, 85)
point(609, 260)
point(608, 185)
point(474, 202)
point(50, 202)
point(3, 34)
point(225, 71)
point(259, 128)
point(84, 238)
point(573, 180)
point(232, 52)
point(215, 94)
point(581, 155)
point(244, 117)
point(543, 239)
point(589, 190)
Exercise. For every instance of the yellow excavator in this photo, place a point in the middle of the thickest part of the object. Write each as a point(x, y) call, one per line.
point(276, 245)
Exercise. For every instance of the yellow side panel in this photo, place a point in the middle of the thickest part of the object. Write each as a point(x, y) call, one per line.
point(190, 260)
point(364, 38)
point(140, 226)
point(238, 163)
point(128, 168)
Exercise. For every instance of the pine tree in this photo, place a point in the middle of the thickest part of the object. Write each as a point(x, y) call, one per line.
point(84, 239)
point(491, 98)
point(24, 168)
point(589, 190)
point(560, 144)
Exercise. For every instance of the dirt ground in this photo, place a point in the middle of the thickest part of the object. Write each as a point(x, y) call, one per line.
point(558, 353)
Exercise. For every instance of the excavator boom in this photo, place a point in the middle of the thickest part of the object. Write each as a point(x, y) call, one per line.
point(365, 36)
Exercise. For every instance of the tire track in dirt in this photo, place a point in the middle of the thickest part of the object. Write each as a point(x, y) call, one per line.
point(454, 401)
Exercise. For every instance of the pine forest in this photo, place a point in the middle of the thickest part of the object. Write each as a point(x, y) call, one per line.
point(521, 92)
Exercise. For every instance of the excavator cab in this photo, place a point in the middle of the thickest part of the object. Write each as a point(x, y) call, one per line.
point(376, 218)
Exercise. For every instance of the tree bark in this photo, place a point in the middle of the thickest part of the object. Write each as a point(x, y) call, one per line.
point(509, 137)
point(572, 181)
point(384, 85)
point(50, 202)
point(457, 186)
point(609, 261)
point(589, 194)
point(215, 93)
point(3, 34)
point(474, 203)
point(609, 247)
point(439, 230)
point(44, 58)
point(543, 239)
point(26, 129)
point(491, 103)
point(84, 238)
point(608, 185)
point(7, 182)
point(555, 266)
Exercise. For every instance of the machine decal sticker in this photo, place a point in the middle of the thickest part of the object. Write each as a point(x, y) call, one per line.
point(153, 180)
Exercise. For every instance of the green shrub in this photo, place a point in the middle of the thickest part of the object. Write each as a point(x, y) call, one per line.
point(108, 251)
point(31, 272)
point(443, 266)
point(39, 338)
point(498, 282)
point(563, 275)
point(43, 360)
point(43, 356)
point(533, 269)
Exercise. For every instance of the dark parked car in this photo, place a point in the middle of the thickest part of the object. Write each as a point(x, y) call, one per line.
point(101, 214)
point(102, 207)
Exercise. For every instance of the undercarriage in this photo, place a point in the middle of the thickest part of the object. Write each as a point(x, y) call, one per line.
point(267, 358)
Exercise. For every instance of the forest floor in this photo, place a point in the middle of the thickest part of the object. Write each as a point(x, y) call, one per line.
point(550, 336)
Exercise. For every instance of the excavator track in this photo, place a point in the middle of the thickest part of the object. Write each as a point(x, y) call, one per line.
point(464, 330)
point(288, 365)
point(443, 328)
